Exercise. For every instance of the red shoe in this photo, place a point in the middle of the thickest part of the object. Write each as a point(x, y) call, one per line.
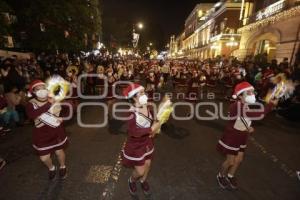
point(146, 188)
point(52, 174)
point(132, 187)
point(232, 183)
point(63, 173)
point(222, 181)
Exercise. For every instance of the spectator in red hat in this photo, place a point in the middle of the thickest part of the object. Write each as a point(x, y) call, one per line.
point(139, 147)
point(234, 140)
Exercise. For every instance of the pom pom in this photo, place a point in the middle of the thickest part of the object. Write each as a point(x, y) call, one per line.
point(234, 96)
point(165, 110)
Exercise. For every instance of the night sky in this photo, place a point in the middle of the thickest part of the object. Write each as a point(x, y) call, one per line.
point(161, 19)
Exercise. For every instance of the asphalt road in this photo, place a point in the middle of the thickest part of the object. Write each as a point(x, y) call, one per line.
point(184, 167)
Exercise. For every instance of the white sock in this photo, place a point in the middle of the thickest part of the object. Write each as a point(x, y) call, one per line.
point(62, 167)
point(130, 180)
point(52, 168)
point(230, 176)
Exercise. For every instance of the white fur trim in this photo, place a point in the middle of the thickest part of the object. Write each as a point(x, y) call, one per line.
point(50, 147)
point(228, 147)
point(37, 84)
point(140, 158)
point(133, 92)
point(243, 90)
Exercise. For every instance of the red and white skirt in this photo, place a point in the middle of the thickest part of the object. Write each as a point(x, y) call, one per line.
point(211, 83)
point(110, 95)
point(137, 151)
point(47, 140)
point(182, 83)
point(150, 95)
point(192, 94)
point(232, 142)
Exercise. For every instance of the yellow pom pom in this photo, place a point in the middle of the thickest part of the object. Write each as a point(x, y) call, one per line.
point(58, 88)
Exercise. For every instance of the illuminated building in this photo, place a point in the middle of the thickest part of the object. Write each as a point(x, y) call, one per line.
point(196, 34)
point(224, 23)
point(270, 27)
point(210, 30)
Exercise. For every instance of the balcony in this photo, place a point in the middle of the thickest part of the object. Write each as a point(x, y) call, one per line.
point(225, 37)
point(269, 11)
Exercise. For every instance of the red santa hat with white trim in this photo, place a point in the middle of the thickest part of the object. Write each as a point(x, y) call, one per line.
point(132, 90)
point(34, 84)
point(268, 74)
point(240, 88)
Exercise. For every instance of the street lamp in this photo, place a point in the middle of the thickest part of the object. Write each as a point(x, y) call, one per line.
point(136, 36)
point(140, 25)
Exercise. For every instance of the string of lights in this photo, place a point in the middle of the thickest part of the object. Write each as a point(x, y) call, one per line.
point(271, 20)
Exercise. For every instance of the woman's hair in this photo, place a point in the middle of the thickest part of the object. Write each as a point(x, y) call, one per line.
point(131, 100)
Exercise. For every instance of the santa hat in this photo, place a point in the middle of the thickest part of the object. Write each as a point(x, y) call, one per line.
point(34, 84)
point(269, 73)
point(240, 88)
point(132, 90)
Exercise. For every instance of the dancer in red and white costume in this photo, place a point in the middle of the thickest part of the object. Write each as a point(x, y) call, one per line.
point(193, 88)
point(234, 140)
point(49, 133)
point(139, 147)
point(151, 85)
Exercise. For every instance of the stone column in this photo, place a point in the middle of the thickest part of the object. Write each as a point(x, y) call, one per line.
point(244, 49)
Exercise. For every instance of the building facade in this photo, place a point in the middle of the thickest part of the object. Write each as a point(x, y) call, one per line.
point(241, 28)
point(224, 38)
point(210, 30)
point(270, 27)
point(195, 35)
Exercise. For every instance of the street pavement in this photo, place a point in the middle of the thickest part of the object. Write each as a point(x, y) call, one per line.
point(184, 166)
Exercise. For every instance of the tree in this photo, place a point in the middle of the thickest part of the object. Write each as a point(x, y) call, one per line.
point(57, 25)
point(5, 28)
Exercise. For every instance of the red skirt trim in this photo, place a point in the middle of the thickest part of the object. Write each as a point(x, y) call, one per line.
point(136, 151)
point(41, 151)
point(231, 143)
point(140, 158)
point(129, 161)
